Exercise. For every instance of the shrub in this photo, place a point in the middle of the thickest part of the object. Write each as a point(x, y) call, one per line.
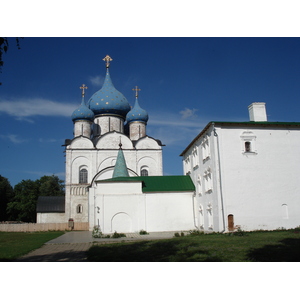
point(118, 235)
point(239, 232)
point(196, 232)
point(143, 232)
point(97, 232)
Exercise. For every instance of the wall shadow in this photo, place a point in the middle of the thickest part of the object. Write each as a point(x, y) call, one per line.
point(287, 250)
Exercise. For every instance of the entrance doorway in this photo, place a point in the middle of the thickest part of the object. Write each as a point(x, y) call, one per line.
point(230, 223)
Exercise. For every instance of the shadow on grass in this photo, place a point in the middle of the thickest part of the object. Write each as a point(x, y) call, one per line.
point(150, 251)
point(287, 250)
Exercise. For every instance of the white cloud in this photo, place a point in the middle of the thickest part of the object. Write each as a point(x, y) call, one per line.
point(174, 129)
point(96, 80)
point(13, 138)
point(24, 108)
point(188, 113)
point(42, 140)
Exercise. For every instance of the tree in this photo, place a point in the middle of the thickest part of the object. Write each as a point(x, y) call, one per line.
point(51, 186)
point(4, 47)
point(23, 206)
point(6, 195)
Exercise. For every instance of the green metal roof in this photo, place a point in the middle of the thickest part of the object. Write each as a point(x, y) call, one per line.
point(151, 184)
point(120, 169)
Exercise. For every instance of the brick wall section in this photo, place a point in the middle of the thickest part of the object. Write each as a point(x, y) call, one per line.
point(29, 227)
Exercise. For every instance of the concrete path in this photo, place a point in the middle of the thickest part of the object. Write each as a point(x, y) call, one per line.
point(72, 246)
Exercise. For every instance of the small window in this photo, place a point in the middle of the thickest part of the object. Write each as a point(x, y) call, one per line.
point(79, 209)
point(247, 146)
point(83, 176)
point(144, 172)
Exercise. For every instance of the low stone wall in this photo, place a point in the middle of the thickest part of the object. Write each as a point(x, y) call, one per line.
point(29, 227)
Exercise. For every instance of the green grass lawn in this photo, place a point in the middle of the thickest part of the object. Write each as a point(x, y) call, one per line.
point(16, 244)
point(262, 246)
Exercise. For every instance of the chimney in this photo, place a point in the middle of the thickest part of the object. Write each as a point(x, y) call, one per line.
point(257, 112)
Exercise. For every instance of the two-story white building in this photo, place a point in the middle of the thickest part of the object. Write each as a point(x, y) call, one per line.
point(246, 174)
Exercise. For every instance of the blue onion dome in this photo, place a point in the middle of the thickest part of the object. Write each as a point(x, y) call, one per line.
point(82, 112)
point(137, 113)
point(108, 100)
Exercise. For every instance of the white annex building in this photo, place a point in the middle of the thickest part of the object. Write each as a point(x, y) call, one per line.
point(237, 174)
point(246, 174)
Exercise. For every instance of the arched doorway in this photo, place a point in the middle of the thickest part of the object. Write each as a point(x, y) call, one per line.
point(121, 222)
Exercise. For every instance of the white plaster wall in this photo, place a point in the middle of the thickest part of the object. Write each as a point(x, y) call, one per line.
point(79, 217)
point(147, 143)
point(112, 140)
point(169, 212)
point(51, 218)
point(121, 188)
point(104, 124)
point(81, 143)
point(257, 185)
point(260, 189)
point(137, 130)
point(152, 211)
point(82, 159)
point(82, 127)
point(197, 162)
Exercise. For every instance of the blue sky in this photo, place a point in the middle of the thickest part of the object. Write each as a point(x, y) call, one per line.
point(184, 82)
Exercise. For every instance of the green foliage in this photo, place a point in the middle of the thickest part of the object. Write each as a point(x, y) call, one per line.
point(238, 232)
point(6, 195)
point(23, 205)
point(51, 186)
point(255, 246)
point(118, 235)
point(4, 47)
point(177, 234)
point(97, 233)
point(143, 232)
point(16, 244)
point(195, 232)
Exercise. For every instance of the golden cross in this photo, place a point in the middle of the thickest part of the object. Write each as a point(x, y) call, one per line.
point(83, 87)
point(107, 59)
point(136, 91)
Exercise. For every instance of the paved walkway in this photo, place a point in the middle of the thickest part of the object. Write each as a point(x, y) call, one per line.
point(72, 246)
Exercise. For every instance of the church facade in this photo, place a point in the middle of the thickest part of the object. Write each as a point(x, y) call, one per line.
point(110, 141)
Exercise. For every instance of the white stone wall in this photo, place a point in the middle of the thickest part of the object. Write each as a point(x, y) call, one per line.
point(83, 128)
point(259, 188)
point(122, 207)
point(105, 124)
point(51, 218)
point(137, 130)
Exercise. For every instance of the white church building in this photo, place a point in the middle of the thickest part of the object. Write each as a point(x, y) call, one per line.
point(237, 174)
point(114, 171)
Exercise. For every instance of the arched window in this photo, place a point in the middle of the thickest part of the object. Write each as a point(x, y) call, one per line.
point(79, 209)
point(83, 176)
point(144, 172)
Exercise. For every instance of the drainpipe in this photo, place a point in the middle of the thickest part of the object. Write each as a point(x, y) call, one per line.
point(194, 198)
point(220, 177)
